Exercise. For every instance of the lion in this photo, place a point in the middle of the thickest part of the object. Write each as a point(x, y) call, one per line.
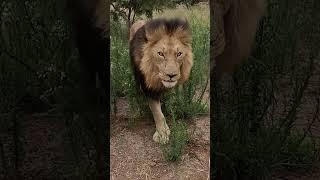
point(161, 55)
point(234, 24)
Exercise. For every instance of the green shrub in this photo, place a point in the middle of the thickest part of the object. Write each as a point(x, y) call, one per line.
point(177, 142)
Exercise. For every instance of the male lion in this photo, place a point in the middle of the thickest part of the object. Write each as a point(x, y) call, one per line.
point(161, 55)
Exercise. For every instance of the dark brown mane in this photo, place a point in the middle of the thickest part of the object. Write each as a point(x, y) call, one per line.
point(135, 49)
point(170, 25)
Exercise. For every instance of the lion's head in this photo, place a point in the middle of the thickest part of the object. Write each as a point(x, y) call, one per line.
point(167, 53)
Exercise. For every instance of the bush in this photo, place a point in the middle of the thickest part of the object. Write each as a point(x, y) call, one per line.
point(177, 142)
point(38, 68)
point(256, 109)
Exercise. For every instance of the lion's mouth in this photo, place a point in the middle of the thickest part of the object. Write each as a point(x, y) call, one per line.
point(169, 83)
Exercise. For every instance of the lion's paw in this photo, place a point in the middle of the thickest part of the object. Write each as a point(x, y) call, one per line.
point(162, 135)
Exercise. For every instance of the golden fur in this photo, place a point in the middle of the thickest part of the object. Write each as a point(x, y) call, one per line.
point(234, 24)
point(157, 68)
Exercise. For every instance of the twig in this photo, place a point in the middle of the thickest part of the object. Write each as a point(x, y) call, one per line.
point(204, 90)
point(291, 164)
point(129, 16)
point(217, 154)
point(4, 162)
point(27, 66)
point(201, 170)
point(16, 144)
point(121, 12)
point(296, 104)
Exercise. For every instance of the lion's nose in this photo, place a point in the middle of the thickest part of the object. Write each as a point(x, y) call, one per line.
point(172, 75)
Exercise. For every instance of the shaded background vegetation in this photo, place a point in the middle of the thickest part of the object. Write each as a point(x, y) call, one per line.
point(266, 114)
point(41, 133)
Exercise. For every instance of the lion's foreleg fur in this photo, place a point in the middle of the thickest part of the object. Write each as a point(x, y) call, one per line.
point(162, 130)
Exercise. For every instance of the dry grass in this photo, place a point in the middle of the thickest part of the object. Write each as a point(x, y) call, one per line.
point(198, 13)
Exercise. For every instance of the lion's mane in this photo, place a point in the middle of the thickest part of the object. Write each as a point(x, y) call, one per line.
point(142, 37)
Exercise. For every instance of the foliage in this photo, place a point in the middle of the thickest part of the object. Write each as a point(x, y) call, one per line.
point(31, 52)
point(38, 71)
point(257, 108)
point(177, 142)
point(129, 10)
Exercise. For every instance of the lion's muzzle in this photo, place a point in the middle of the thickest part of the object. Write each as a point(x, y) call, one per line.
point(171, 75)
point(169, 84)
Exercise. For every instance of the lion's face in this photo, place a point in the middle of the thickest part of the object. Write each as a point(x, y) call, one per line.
point(168, 55)
point(167, 58)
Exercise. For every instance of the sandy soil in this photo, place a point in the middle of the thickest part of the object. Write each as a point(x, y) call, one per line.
point(134, 155)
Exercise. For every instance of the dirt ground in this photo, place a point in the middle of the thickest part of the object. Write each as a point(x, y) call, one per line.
point(134, 155)
point(313, 174)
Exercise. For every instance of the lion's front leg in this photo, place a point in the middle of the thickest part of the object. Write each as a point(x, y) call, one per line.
point(162, 130)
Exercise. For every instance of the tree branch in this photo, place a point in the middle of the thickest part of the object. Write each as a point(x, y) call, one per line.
point(27, 66)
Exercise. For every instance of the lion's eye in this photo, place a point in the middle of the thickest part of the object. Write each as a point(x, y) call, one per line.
point(179, 54)
point(160, 54)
